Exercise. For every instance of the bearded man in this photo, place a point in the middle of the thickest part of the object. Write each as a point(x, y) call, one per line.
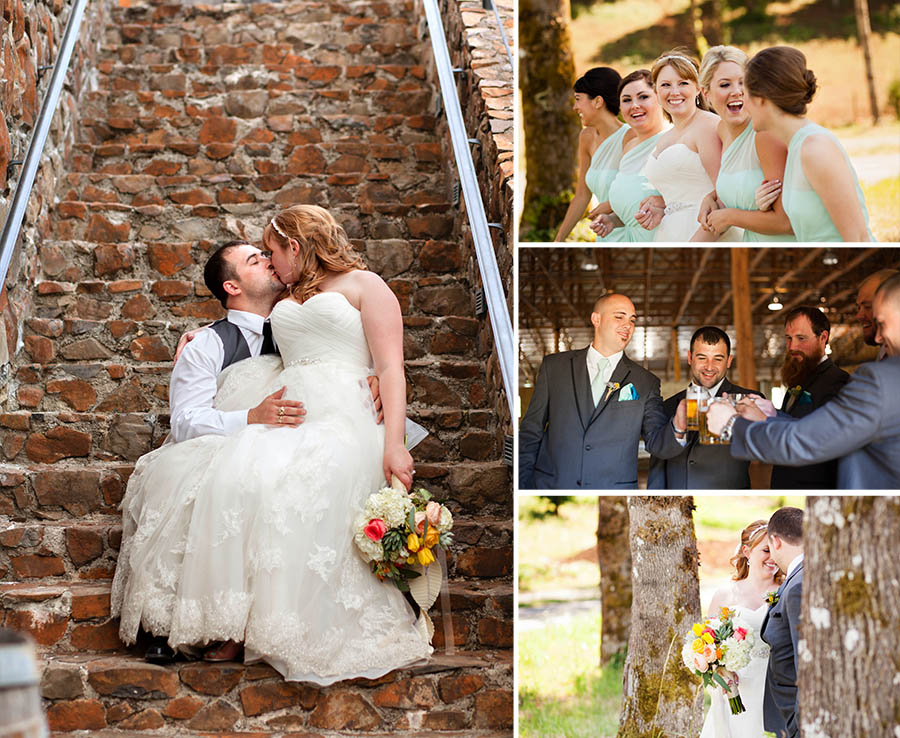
point(812, 379)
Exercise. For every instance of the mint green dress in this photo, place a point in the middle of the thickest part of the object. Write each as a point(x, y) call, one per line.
point(740, 174)
point(805, 209)
point(604, 167)
point(628, 189)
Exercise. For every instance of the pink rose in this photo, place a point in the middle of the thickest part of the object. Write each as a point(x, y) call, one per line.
point(740, 633)
point(700, 662)
point(709, 653)
point(375, 529)
point(420, 522)
point(433, 512)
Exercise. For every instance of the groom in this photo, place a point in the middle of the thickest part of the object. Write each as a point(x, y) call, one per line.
point(781, 624)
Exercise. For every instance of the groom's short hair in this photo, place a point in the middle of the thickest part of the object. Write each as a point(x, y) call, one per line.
point(787, 524)
point(219, 270)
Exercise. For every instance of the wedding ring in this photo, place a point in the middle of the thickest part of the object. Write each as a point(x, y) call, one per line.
point(281, 411)
point(281, 418)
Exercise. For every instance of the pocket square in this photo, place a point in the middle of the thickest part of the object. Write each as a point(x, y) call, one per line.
point(628, 392)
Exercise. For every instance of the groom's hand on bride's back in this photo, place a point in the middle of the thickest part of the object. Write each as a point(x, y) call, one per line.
point(276, 411)
point(376, 398)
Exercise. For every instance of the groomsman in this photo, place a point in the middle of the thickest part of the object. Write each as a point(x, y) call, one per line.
point(860, 427)
point(812, 380)
point(590, 409)
point(864, 305)
point(699, 466)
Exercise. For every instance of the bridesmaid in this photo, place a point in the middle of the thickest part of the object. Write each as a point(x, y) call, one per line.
point(821, 193)
point(599, 144)
point(642, 112)
point(748, 158)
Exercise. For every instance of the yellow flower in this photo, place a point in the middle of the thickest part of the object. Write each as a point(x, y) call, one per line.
point(707, 638)
point(698, 646)
point(425, 557)
point(411, 560)
point(432, 537)
point(726, 613)
point(698, 629)
point(412, 542)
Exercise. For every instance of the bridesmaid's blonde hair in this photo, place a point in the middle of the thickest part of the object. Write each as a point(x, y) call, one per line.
point(324, 246)
point(714, 57)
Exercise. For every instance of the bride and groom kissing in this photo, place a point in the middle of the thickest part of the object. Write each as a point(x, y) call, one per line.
point(240, 531)
point(766, 591)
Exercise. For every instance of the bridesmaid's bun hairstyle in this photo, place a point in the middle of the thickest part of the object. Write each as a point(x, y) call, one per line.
point(716, 56)
point(323, 246)
point(601, 82)
point(779, 74)
point(687, 66)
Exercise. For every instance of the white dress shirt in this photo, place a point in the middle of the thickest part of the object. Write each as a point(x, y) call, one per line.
point(793, 565)
point(593, 357)
point(713, 391)
point(193, 386)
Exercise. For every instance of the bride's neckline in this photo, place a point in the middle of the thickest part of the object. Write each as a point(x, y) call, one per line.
point(289, 300)
point(672, 146)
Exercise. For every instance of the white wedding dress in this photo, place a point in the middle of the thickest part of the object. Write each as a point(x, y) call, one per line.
point(720, 723)
point(250, 536)
point(681, 179)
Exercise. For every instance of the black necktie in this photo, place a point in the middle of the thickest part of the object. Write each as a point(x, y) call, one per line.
point(268, 345)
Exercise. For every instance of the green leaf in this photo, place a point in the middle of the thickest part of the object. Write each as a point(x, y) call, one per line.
point(411, 520)
point(721, 682)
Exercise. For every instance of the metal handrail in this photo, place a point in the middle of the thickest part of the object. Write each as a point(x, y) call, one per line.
point(501, 323)
point(39, 139)
point(502, 30)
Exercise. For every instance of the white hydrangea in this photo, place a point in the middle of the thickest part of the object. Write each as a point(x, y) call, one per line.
point(687, 653)
point(371, 550)
point(390, 505)
point(737, 653)
point(446, 521)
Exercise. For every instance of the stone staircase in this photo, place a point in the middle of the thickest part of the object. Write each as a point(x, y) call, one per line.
point(204, 122)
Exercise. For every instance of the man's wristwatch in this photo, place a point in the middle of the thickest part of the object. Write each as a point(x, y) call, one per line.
point(725, 435)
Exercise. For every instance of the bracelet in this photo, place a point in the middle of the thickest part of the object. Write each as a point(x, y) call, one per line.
point(725, 435)
point(675, 428)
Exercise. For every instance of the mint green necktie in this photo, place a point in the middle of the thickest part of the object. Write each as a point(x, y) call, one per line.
point(597, 384)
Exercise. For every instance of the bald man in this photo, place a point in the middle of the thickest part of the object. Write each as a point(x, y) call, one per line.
point(589, 410)
point(860, 427)
point(864, 299)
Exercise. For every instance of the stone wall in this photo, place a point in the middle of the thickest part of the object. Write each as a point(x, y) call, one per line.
point(30, 34)
point(486, 93)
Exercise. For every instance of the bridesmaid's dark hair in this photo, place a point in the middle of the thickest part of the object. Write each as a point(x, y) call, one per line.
point(601, 82)
point(779, 74)
point(642, 74)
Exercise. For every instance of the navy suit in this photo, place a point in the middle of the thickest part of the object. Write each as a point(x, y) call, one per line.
point(780, 631)
point(565, 442)
point(699, 466)
point(823, 386)
point(860, 428)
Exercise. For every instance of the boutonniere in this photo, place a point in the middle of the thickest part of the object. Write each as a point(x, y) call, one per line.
point(610, 388)
point(772, 599)
point(800, 395)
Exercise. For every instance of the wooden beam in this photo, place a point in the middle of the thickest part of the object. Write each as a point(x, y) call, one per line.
point(758, 257)
point(743, 317)
point(787, 276)
point(676, 359)
point(707, 252)
point(565, 298)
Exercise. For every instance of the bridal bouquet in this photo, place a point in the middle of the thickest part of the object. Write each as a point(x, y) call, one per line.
point(397, 534)
point(715, 649)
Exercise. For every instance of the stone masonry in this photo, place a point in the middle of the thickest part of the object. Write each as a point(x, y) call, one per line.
point(200, 122)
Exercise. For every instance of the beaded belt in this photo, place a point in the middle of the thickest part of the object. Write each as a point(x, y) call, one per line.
point(676, 206)
point(303, 362)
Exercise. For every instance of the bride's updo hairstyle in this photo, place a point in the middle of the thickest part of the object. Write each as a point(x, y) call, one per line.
point(324, 246)
point(716, 56)
point(779, 74)
point(686, 65)
point(751, 537)
point(601, 82)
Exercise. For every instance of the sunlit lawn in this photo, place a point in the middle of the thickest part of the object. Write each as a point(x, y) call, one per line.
point(883, 203)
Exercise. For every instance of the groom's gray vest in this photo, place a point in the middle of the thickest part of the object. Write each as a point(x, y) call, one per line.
point(235, 344)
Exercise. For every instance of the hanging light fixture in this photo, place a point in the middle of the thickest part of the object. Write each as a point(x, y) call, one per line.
point(775, 305)
point(588, 262)
point(829, 258)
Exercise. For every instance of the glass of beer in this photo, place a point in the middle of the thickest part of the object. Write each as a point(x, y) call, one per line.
point(706, 437)
point(692, 396)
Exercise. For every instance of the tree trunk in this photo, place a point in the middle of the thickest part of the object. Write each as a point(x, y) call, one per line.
point(864, 31)
point(701, 45)
point(546, 76)
point(662, 698)
point(850, 631)
point(614, 555)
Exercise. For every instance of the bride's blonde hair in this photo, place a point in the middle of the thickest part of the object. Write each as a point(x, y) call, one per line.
point(324, 246)
point(751, 537)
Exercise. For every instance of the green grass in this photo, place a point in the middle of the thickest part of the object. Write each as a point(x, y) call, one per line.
point(883, 203)
point(563, 693)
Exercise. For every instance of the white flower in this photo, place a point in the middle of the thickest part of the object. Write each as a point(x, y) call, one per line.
point(370, 550)
point(737, 653)
point(390, 505)
point(687, 653)
point(446, 522)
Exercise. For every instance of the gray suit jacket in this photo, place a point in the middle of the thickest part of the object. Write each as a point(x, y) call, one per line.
point(779, 630)
point(860, 427)
point(699, 466)
point(567, 443)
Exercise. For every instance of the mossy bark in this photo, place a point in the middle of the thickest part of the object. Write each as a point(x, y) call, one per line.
point(850, 630)
point(661, 697)
point(614, 556)
point(546, 76)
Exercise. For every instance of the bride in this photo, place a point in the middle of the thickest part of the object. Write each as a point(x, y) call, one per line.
point(248, 537)
point(756, 575)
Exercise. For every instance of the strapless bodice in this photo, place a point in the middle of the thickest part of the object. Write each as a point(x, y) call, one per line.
point(678, 174)
point(325, 328)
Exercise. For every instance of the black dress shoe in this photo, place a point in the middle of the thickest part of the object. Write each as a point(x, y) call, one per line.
point(160, 652)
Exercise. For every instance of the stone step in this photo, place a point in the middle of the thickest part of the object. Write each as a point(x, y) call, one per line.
point(67, 549)
point(468, 693)
point(74, 616)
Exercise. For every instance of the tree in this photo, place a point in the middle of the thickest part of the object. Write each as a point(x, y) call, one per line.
point(864, 32)
point(850, 631)
point(662, 698)
point(614, 556)
point(546, 75)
